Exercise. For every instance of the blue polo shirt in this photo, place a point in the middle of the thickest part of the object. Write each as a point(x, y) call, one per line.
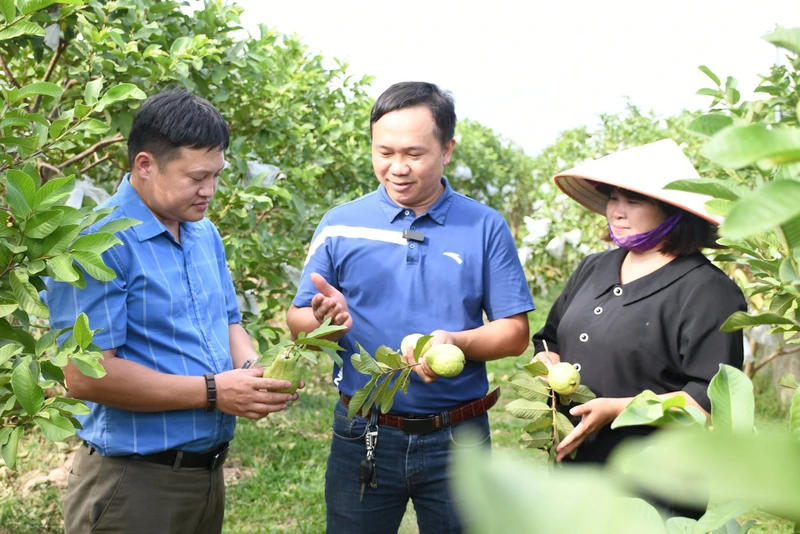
point(168, 309)
point(466, 266)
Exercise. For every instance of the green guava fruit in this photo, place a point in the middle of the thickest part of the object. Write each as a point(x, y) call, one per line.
point(410, 341)
point(445, 360)
point(564, 378)
point(284, 368)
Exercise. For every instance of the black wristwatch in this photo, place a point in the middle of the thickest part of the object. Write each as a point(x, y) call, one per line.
point(211, 392)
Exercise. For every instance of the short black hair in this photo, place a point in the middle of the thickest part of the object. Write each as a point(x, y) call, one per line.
point(690, 234)
point(411, 94)
point(173, 119)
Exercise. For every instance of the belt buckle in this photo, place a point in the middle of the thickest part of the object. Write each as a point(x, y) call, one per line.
point(419, 426)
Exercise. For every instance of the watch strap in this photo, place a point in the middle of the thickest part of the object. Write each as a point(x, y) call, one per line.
point(211, 392)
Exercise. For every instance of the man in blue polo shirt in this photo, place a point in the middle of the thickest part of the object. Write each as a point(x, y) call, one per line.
point(413, 256)
point(162, 416)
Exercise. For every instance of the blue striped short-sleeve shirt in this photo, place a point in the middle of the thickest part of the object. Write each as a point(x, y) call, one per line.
point(168, 309)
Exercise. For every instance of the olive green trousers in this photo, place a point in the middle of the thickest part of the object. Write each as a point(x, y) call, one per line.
point(125, 495)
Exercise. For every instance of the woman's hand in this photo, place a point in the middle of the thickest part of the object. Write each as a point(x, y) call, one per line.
point(595, 414)
point(547, 358)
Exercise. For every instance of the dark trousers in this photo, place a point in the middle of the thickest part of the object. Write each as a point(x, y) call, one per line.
point(126, 495)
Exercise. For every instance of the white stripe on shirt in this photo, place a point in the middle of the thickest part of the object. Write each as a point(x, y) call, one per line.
point(355, 232)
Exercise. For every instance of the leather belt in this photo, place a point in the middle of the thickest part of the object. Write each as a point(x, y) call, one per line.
point(425, 424)
point(181, 459)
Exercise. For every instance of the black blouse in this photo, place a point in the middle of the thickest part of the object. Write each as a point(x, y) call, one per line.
point(660, 332)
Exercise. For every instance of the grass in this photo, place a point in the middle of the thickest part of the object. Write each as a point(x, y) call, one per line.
point(276, 470)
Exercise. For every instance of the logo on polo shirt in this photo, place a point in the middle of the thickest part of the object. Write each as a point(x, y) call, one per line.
point(454, 256)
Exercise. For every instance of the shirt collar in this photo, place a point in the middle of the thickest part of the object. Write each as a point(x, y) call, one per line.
point(137, 209)
point(607, 275)
point(437, 212)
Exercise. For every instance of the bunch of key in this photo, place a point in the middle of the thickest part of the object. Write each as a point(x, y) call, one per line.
point(366, 473)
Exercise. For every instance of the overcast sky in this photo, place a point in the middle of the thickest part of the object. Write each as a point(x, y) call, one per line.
point(532, 69)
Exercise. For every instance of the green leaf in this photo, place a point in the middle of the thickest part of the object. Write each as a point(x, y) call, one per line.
point(662, 465)
point(709, 124)
point(92, 91)
point(376, 397)
point(794, 415)
point(563, 425)
point(56, 427)
point(82, 332)
point(27, 295)
point(48, 341)
point(123, 91)
point(704, 186)
point(71, 406)
point(29, 6)
point(529, 387)
point(97, 242)
point(740, 320)
point(61, 268)
point(388, 398)
point(9, 449)
point(357, 401)
point(537, 369)
point(389, 357)
point(732, 404)
point(326, 328)
point(791, 233)
point(179, 45)
point(364, 363)
point(334, 356)
point(53, 191)
point(718, 515)
point(9, 10)
point(26, 388)
point(317, 342)
point(88, 365)
point(680, 525)
point(38, 88)
point(10, 350)
point(21, 28)
point(7, 306)
point(710, 74)
point(788, 380)
point(740, 146)
point(123, 223)
point(582, 395)
point(788, 38)
point(57, 127)
point(537, 439)
point(707, 91)
point(420, 346)
point(637, 411)
point(93, 264)
point(527, 409)
point(42, 224)
point(772, 204)
point(545, 421)
point(21, 193)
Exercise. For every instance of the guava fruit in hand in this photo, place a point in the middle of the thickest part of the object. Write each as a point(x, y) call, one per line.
point(445, 360)
point(410, 341)
point(564, 378)
point(284, 367)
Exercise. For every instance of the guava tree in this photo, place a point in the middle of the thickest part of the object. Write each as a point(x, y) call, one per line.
point(753, 165)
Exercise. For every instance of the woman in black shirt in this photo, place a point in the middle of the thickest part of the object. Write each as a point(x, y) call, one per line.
point(645, 315)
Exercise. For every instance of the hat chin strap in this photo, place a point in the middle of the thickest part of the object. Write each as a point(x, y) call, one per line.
point(647, 240)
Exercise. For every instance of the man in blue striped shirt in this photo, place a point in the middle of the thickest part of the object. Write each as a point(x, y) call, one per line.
point(173, 346)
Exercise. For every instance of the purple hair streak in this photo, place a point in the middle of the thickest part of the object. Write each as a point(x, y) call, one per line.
point(647, 240)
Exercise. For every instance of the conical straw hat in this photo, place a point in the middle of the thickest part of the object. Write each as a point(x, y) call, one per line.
point(645, 170)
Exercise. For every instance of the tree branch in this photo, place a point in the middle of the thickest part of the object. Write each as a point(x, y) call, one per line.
point(91, 150)
point(51, 170)
point(10, 76)
point(54, 111)
point(62, 45)
point(96, 162)
point(778, 352)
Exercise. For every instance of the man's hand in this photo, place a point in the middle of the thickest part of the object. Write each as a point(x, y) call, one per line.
point(245, 393)
point(329, 303)
point(423, 370)
point(596, 414)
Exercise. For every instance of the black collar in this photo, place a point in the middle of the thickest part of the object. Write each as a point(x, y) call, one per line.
point(606, 275)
